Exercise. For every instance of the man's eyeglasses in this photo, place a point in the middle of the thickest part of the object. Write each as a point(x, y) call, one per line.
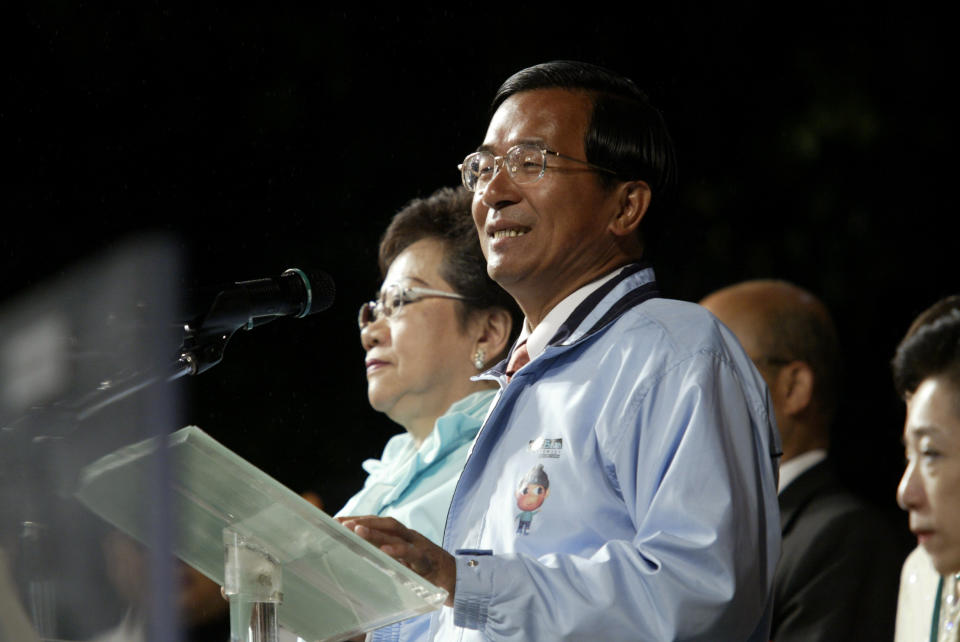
point(395, 297)
point(525, 163)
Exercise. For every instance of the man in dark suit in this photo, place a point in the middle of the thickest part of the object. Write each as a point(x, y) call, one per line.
point(839, 566)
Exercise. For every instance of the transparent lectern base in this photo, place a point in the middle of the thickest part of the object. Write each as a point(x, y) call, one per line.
point(334, 584)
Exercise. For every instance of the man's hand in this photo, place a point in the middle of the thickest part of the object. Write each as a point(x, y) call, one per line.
point(408, 547)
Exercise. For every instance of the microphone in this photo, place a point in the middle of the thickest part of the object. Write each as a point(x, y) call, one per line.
point(248, 304)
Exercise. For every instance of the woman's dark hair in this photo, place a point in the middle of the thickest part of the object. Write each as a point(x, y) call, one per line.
point(445, 216)
point(931, 348)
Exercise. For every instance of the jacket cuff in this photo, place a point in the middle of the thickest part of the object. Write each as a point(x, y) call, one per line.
point(474, 588)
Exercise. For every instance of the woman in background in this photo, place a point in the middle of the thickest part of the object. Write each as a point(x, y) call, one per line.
point(437, 321)
point(926, 372)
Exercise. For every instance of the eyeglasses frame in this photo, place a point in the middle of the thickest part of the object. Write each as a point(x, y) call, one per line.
point(408, 294)
point(498, 163)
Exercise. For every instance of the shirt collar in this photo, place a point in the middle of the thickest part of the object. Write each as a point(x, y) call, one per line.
point(798, 465)
point(537, 339)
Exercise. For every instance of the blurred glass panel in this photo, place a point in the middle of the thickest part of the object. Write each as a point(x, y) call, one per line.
point(83, 368)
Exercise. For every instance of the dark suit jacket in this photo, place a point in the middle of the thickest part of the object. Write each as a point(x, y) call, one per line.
point(839, 567)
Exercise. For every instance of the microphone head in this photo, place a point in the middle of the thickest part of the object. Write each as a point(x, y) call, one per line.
point(319, 287)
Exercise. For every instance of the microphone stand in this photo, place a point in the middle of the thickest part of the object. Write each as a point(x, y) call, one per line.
point(204, 342)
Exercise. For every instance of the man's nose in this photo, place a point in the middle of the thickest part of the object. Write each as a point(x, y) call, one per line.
point(501, 189)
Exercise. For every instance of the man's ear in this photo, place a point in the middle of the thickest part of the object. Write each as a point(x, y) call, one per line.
point(493, 331)
point(796, 381)
point(633, 200)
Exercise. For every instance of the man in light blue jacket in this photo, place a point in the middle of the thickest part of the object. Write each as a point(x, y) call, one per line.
point(656, 510)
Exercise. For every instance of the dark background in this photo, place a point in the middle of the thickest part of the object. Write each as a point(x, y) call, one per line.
point(815, 146)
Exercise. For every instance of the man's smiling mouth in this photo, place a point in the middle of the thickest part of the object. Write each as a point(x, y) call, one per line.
point(513, 231)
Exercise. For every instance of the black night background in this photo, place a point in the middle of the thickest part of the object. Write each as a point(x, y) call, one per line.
point(815, 146)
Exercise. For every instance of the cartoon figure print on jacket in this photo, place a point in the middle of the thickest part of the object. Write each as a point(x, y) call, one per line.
point(531, 493)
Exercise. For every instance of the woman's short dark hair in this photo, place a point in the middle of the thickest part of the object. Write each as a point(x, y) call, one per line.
point(931, 347)
point(445, 216)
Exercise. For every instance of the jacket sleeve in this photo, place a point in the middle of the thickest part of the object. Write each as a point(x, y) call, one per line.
point(691, 458)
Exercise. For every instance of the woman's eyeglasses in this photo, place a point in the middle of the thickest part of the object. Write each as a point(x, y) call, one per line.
point(395, 297)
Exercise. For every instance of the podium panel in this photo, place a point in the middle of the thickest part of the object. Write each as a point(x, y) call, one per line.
point(334, 584)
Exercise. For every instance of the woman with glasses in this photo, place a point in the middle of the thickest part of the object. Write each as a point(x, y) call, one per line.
point(437, 321)
point(926, 371)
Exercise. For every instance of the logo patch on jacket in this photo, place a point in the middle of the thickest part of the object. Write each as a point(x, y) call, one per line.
point(546, 447)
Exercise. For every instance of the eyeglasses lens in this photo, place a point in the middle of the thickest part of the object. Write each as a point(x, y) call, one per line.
point(367, 314)
point(524, 163)
point(475, 166)
point(392, 300)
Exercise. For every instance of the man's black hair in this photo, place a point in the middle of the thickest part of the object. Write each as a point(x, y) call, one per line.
point(626, 134)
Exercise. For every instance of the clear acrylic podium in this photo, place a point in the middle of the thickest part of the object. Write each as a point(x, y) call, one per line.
point(280, 560)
